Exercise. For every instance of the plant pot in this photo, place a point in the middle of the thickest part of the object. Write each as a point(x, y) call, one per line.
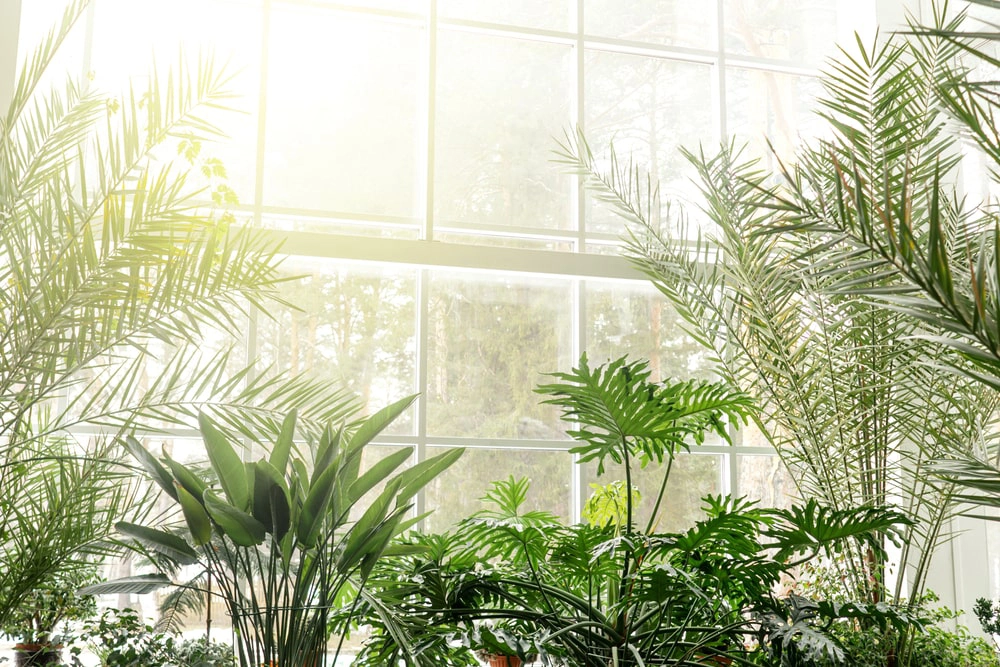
point(28, 654)
point(503, 661)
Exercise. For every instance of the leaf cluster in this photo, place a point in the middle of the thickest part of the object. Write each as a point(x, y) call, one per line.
point(284, 538)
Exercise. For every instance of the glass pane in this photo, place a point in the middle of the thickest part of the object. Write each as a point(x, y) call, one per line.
point(768, 105)
point(342, 117)
point(674, 22)
point(782, 29)
point(130, 35)
point(636, 320)
point(766, 480)
point(500, 102)
point(633, 101)
point(545, 14)
point(692, 477)
point(357, 324)
point(455, 494)
point(489, 341)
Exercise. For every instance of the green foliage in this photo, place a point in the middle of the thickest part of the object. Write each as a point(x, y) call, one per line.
point(202, 652)
point(40, 614)
point(593, 595)
point(112, 275)
point(607, 504)
point(300, 533)
point(120, 638)
point(869, 644)
point(852, 395)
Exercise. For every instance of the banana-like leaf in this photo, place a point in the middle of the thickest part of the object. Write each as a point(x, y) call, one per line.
point(237, 525)
point(376, 474)
point(140, 584)
point(377, 422)
point(363, 530)
point(164, 543)
point(196, 516)
point(185, 477)
point(313, 512)
point(155, 469)
point(416, 477)
point(283, 445)
point(327, 451)
point(226, 463)
point(270, 499)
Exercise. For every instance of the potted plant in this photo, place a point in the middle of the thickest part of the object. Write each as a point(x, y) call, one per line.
point(286, 537)
point(40, 619)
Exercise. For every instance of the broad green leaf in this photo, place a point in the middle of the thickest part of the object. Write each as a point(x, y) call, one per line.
point(281, 513)
point(227, 464)
point(139, 584)
point(152, 466)
point(358, 541)
point(375, 424)
point(187, 479)
point(269, 488)
point(197, 518)
point(377, 473)
point(166, 544)
point(416, 477)
point(283, 445)
point(380, 539)
point(313, 512)
point(327, 451)
point(237, 525)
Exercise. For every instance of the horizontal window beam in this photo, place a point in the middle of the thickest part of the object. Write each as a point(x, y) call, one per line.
point(454, 255)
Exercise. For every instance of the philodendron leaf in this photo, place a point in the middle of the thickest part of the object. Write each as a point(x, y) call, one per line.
point(152, 466)
point(283, 445)
point(226, 463)
point(167, 544)
point(139, 584)
point(196, 517)
point(237, 525)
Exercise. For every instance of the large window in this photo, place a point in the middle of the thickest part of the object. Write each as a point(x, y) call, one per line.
point(402, 150)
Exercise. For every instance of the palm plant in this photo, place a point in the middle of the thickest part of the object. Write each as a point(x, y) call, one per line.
point(853, 400)
point(112, 274)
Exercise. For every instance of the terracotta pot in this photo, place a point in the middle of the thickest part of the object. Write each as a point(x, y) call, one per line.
point(504, 661)
point(27, 654)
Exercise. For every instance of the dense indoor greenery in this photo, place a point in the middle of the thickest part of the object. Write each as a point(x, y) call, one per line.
point(853, 399)
point(113, 278)
point(850, 301)
point(512, 581)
